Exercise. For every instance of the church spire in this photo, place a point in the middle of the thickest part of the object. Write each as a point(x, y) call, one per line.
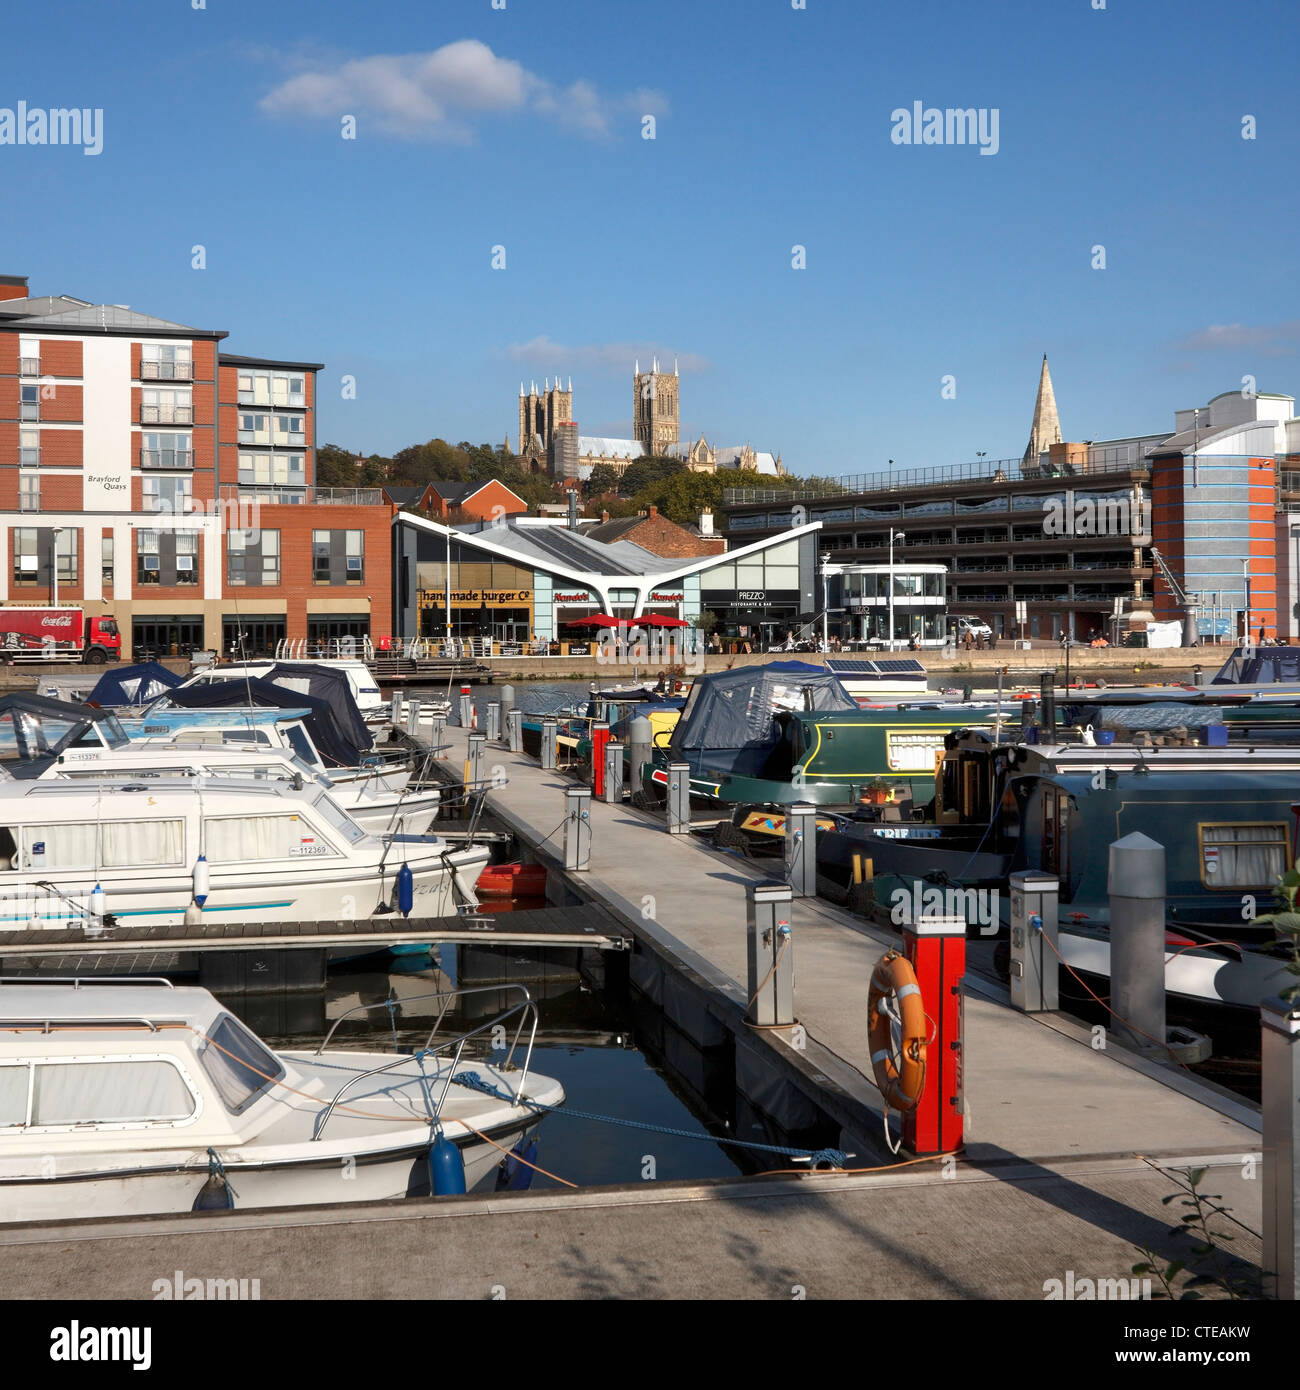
point(1046, 429)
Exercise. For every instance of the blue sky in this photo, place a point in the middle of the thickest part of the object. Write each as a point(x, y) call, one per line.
point(522, 128)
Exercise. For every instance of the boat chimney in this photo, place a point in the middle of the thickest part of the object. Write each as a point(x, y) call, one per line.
point(573, 509)
point(1028, 708)
point(1047, 695)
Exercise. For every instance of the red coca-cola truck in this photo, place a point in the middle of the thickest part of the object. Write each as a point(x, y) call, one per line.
point(57, 634)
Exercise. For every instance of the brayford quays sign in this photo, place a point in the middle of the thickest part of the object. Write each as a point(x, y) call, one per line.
point(500, 598)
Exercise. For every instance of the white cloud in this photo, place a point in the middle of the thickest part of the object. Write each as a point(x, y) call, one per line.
point(544, 353)
point(1269, 339)
point(435, 95)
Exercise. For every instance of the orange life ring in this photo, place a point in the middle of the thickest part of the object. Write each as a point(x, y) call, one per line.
point(902, 1085)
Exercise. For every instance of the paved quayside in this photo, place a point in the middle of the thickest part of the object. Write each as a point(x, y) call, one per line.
point(1057, 1176)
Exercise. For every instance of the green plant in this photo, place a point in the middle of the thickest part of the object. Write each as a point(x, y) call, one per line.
point(877, 784)
point(1206, 1263)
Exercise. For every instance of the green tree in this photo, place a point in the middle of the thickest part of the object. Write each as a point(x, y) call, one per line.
point(335, 467)
point(604, 478)
point(644, 472)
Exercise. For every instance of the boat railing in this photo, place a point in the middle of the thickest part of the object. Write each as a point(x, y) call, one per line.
point(526, 1013)
point(81, 981)
point(447, 995)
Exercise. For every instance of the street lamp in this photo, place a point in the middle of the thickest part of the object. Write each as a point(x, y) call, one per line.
point(1245, 574)
point(57, 532)
point(893, 536)
point(828, 569)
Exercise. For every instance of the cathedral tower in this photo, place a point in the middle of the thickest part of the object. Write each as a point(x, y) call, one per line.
point(655, 407)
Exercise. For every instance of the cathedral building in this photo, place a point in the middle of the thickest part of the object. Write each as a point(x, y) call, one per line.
point(550, 445)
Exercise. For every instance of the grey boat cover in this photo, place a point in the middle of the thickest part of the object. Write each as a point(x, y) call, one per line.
point(730, 723)
point(1260, 666)
point(330, 685)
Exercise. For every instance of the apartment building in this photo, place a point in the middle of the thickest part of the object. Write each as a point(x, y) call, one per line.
point(146, 474)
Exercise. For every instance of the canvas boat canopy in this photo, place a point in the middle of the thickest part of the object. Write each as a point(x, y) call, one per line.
point(730, 719)
point(132, 685)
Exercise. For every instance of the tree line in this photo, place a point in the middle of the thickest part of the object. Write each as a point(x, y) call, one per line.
point(665, 483)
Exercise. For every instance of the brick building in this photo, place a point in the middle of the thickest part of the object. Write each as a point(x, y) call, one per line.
point(658, 534)
point(171, 485)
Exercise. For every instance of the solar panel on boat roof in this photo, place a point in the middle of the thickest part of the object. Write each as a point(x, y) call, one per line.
point(906, 666)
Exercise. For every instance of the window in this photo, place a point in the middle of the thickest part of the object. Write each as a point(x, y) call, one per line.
point(253, 557)
point(26, 555)
point(238, 1065)
point(29, 448)
point(166, 362)
point(241, 839)
point(14, 1083)
point(29, 398)
point(110, 1091)
point(67, 553)
point(29, 492)
point(289, 429)
point(128, 843)
point(263, 388)
point(1245, 855)
point(106, 561)
point(161, 494)
point(254, 429)
point(339, 819)
point(161, 406)
point(29, 357)
point(272, 470)
point(68, 845)
point(338, 557)
point(167, 451)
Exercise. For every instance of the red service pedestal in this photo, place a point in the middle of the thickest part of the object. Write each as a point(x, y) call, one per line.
point(936, 947)
point(599, 738)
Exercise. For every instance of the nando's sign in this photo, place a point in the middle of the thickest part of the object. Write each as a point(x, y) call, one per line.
point(494, 598)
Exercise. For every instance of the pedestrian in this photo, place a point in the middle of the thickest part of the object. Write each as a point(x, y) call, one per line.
point(968, 640)
point(993, 641)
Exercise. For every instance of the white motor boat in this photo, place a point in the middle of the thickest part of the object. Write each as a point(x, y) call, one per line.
point(371, 801)
point(134, 1097)
point(165, 851)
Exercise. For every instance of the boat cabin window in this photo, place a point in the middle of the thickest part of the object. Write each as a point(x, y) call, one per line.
point(88, 845)
point(126, 844)
point(240, 839)
point(302, 745)
point(914, 752)
point(1247, 854)
point(329, 810)
point(14, 1084)
point(240, 1067)
point(100, 1090)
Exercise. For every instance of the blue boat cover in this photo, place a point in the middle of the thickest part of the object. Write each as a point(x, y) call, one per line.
point(132, 685)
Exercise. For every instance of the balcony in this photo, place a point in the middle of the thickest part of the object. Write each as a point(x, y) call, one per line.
point(166, 414)
point(166, 371)
point(29, 366)
point(166, 458)
point(29, 410)
point(310, 496)
point(29, 458)
point(29, 501)
point(293, 400)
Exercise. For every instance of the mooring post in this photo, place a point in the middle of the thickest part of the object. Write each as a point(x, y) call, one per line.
point(413, 717)
point(1280, 1109)
point(640, 750)
point(613, 786)
point(438, 735)
point(493, 730)
point(770, 950)
point(549, 734)
point(395, 709)
point(515, 730)
point(474, 762)
point(1035, 933)
point(599, 738)
point(936, 947)
point(506, 705)
point(466, 707)
point(679, 798)
point(1137, 941)
point(801, 849)
point(577, 829)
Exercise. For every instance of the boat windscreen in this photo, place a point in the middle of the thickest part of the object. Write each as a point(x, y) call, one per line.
point(239, 1065)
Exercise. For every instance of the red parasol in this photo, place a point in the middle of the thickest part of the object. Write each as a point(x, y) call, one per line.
point(659, 620)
